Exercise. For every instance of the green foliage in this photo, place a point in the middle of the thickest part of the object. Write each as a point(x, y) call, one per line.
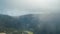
point(28, 22)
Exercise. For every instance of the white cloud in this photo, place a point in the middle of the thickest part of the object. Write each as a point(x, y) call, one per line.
point(18, 7)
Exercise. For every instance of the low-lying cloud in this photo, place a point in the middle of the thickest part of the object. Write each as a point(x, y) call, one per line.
point(19, 7)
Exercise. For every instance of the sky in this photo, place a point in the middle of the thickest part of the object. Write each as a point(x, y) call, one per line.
point(22, 7)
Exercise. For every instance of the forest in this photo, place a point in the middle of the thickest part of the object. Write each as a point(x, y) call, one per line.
point(30, 22)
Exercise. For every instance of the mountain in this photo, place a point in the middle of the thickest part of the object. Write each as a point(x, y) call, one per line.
point(7, 23)
point(30, 22)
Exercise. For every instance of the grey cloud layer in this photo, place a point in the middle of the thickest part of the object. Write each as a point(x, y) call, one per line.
point(28, 6)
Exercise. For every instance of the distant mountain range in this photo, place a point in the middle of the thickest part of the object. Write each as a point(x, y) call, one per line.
point(30, 22)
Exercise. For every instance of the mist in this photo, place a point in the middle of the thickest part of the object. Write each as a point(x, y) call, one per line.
point(42, 13)
point(18, 7)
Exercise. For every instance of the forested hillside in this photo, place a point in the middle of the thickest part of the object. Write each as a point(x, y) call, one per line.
point(30, 22)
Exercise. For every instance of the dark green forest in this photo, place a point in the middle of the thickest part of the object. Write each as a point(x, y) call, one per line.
point(29, 22)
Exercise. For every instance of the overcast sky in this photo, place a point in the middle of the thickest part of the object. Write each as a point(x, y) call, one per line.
point(21, 7)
